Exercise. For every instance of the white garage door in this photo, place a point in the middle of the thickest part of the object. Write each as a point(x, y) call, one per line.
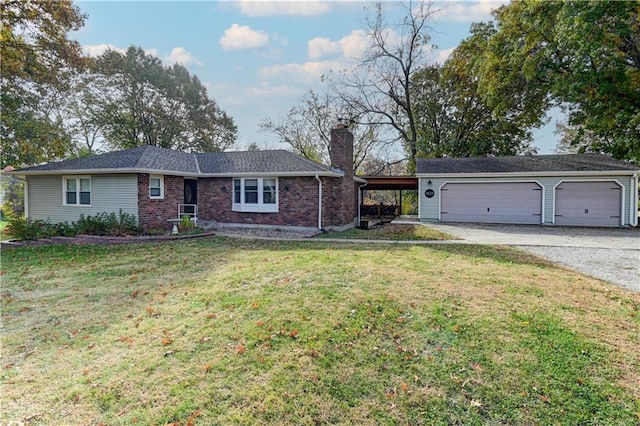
point(588, 204)
point(507, 202)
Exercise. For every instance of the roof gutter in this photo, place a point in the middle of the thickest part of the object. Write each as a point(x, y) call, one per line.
point(319, 202)
point(167, 173)
point(529, 174)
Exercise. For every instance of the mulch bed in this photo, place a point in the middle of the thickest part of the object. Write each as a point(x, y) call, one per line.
point(96, 239)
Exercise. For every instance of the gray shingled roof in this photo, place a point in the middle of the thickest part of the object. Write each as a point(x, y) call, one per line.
point(161, 160)
point(272, 161)
point(524, 164)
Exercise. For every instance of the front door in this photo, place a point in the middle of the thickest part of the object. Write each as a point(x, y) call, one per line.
point(190, 196)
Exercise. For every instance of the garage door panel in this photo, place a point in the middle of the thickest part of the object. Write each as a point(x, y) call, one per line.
point(588, 203)
point(512, 202)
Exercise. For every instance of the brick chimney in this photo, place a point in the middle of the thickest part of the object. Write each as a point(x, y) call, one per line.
point(341, 148)
point(341, 209)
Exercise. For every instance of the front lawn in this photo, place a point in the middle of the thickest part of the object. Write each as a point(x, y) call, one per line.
point(389, 231)
point(230, 331)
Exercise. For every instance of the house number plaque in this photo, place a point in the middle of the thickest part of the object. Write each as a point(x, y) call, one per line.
point(429, 193)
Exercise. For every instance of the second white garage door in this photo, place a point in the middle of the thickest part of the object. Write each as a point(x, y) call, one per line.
point(504, 202)
point(588, 203)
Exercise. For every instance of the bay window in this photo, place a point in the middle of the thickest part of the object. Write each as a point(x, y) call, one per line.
point(259, 195)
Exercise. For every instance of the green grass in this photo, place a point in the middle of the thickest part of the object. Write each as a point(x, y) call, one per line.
point(390, 232)
point(3, 236)
point(226, 331)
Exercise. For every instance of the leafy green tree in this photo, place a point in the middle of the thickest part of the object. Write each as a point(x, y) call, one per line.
point(452, 119)
point(581, 55)
point(142, 102)
point(37, 59)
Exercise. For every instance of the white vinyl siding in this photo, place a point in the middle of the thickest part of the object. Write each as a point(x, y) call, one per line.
point(109, 193)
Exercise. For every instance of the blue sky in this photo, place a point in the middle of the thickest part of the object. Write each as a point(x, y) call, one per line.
point(257, 58)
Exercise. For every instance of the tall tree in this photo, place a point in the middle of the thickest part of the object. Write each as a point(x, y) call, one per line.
point(37, 58)
point(581, 55)
point(307, 130)
point(143, 102)
point(380, 87)
point(453, 119)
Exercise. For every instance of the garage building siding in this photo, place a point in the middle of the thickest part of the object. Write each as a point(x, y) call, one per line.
point(429, 208)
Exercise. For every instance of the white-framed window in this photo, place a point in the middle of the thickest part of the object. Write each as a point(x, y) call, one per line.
point(76, 190)
point(259, 195)
point(156, 187)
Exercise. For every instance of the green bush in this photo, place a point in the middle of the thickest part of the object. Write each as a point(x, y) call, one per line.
point(186, 224)
point(110, 224)
point(24, 229)
point(107, 224)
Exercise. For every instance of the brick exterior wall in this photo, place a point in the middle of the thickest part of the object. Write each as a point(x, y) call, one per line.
point(152, 213)
point(297, 197)
point(297, 203)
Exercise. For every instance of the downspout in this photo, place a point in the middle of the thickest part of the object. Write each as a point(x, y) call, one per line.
point(634, 213)
point(319, 202)
point(360, 200)
point(26, 198)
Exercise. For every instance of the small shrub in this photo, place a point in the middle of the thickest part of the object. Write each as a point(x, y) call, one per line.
point(64, 229)
point(27, 229)
point(107, 224)
point(186, 224)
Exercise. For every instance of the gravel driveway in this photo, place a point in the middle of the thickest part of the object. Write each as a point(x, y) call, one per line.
point(611, 254)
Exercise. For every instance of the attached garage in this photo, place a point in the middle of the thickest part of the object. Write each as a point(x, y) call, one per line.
point(588, 203)
point(568, 190)
point(491, 202)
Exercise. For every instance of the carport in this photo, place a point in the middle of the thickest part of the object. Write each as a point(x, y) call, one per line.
point(397, 184)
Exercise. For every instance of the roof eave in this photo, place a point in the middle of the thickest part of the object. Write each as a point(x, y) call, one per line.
point(100, 172)
point(273, 174)
point(528, 174)
point(167, 172)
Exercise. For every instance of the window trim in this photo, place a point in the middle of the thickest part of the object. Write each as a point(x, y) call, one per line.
point(77, 180)
point(161, 179)
point(260, 206)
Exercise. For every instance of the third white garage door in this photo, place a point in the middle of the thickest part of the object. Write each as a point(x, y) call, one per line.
point(588, 203)
point(503, 202)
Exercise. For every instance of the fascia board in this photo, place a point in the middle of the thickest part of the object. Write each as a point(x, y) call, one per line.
point(168, 173)
point(529, 174)
point(99, 172)
point(272, 174)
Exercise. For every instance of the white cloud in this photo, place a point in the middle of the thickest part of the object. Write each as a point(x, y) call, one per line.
point(283, 7)
point(243, 37)
point(468, 11)
point(350, 46)
point(98, 49)
point(152, 52)
point(180, 55)
point(440, 56)
point(268, 91)
point(309, 72)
